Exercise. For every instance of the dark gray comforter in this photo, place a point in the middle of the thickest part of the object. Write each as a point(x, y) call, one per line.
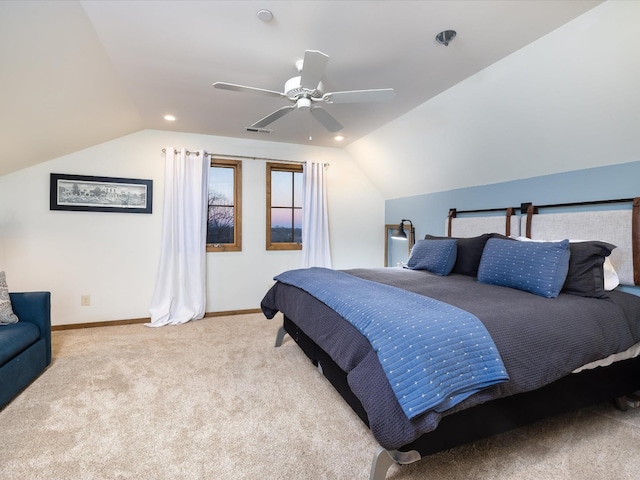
point(539, 339)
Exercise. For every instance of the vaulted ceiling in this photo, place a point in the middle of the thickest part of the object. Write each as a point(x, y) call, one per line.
point(78, 73)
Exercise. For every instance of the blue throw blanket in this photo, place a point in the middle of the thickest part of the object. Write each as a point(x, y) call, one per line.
point(434, 354)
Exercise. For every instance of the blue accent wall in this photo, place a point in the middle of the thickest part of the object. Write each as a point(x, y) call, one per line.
point(429, 211)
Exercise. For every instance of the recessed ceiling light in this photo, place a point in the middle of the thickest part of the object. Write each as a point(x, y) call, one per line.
point(338, 138)
point(169, 118)
point(264, 15)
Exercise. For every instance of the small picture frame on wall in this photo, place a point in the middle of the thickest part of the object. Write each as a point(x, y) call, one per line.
point(84, 193)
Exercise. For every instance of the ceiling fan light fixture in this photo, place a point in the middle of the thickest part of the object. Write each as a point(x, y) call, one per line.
point(303, 103)
point(445, 37)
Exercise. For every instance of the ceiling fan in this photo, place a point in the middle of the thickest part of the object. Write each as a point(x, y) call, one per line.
point(306, 89)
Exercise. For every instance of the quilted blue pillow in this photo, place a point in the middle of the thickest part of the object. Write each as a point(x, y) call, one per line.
point(536, 267)
point(436, 256)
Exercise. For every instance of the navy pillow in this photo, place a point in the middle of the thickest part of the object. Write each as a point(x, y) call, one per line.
point(586, 274)
point(469, 253)
point(537, 267)
point(436, 256)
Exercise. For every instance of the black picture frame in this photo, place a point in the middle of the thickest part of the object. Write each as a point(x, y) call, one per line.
point(85, 193)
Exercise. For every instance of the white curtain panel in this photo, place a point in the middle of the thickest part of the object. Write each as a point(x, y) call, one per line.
point(316, 251)
point(180, 292)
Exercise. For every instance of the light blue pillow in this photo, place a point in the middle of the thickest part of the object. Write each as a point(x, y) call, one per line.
point(536, 267)
point(436, 256)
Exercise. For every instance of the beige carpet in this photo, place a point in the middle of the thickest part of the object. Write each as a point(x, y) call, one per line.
point(215, 400)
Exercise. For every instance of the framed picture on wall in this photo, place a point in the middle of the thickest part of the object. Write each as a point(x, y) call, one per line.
point(83, 193)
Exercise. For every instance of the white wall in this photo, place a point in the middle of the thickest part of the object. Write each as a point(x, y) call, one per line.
point(565, 102)
point(113, 257)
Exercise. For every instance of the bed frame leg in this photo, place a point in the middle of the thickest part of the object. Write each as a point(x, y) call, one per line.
point(280, 336)
point(621, 403)
point(383, 459)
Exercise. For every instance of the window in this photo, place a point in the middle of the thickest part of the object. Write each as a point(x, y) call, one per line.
point(284, 206)
point(224, 220)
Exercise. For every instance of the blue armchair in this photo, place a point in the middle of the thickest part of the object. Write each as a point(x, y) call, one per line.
point(25, 347)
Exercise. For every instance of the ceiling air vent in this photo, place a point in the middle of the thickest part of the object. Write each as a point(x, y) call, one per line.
point(259, 130)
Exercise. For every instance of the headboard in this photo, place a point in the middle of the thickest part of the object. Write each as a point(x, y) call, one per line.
point(470, 226)
point(620, 227)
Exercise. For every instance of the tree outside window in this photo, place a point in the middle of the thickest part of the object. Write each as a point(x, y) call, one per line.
point(224, 219)
point(284, 206)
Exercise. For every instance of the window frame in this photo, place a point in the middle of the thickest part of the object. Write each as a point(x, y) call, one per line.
point(279, 167)
point(236, 246)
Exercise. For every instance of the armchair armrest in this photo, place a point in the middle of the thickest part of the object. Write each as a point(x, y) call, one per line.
point(35, 307)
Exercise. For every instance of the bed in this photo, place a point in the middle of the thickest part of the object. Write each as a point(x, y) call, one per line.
point(557, 352)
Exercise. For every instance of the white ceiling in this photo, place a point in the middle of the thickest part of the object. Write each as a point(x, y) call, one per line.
point(77, 73)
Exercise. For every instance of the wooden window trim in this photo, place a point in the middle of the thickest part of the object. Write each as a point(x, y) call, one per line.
point(236, 246)
point(281, 167)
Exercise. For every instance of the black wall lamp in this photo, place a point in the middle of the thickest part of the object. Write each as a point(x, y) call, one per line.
point(400, 234)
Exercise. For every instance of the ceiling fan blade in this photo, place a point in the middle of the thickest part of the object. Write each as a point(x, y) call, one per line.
point(272, 117)
point(326, 119)
point(242, 88)
point(357, 96)
point(312, 68)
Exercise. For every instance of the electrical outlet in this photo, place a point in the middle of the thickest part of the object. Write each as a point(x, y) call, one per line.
point(85, 300)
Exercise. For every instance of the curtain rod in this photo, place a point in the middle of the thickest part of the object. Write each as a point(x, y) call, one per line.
point(240, 157)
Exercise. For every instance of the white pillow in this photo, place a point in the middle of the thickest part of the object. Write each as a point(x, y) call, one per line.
point(611, 279)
